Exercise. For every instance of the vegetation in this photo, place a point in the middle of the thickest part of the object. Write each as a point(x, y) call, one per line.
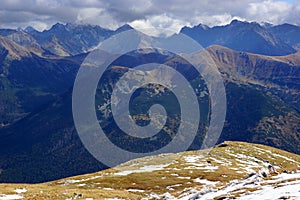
point(221, 165)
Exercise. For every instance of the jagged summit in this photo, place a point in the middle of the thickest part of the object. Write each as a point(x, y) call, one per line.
point(30, 29)
point(241, 36)
point(75, 38)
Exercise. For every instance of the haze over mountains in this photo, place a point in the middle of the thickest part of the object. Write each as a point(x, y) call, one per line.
point(38, 142)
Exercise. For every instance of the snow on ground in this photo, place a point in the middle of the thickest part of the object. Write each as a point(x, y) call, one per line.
point(275, 154)
point(208, 168)
point(257, 184)
point(20, 190)
point(67, 182)
point(198, 162)
point(184, 177)
point(108, 189)
point(290, 191)
point(280, 186)
point(205, 182)
point(10, 196)
point(171, 187)
point(192, 159)
point(135, 190)
point(13, 196)
point(149, 168)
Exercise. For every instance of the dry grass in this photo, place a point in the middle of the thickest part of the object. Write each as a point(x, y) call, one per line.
point(174, 178)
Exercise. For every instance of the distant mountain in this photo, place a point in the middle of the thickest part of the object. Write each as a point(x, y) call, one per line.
point(60, 39)
point(29, 80)
point(70, 39)
point(272, 82)
point(231, 170)
point(125, 27)
point(240, 36)
point(288, 33)
point(280, 74)
point(36, 66)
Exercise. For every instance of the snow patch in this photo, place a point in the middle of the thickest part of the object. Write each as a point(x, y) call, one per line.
point(10, 197)
point(20, 190)
point(135, 190)
point(149, 168)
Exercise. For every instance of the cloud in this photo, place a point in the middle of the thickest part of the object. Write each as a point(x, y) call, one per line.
point(166, 14)
point(270, 11)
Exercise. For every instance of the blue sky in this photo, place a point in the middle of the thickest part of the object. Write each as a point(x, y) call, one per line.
point(168, 14)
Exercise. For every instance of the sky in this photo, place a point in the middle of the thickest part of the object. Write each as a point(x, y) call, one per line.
point(163, 14)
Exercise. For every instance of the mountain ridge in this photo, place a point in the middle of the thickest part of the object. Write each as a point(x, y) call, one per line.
point(240, 36)
point(70, 39)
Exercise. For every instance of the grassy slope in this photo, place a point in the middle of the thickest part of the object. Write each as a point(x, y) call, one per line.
point(173, 173)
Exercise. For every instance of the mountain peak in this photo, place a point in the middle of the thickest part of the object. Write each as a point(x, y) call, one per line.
point(237, 22)
point(266, 24)
point(201, 27)
point(125, 27)
point(58, 27)
point(30, 29)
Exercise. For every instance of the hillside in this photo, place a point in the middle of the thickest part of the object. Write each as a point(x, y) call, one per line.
point(287, 33)
point(47, 144)
point(278, 74)
point(229, 170)
point(29, 80)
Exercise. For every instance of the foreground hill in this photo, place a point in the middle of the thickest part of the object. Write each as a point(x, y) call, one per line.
point(230, 170)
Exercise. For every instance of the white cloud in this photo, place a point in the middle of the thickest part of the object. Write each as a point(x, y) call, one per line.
point(88, 13)
point(158, 25)
point(166, 14)
point(216, 20)
point(270, 11)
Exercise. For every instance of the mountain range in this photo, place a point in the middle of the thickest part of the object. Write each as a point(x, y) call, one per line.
point(260, 66)
point(248, 37)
